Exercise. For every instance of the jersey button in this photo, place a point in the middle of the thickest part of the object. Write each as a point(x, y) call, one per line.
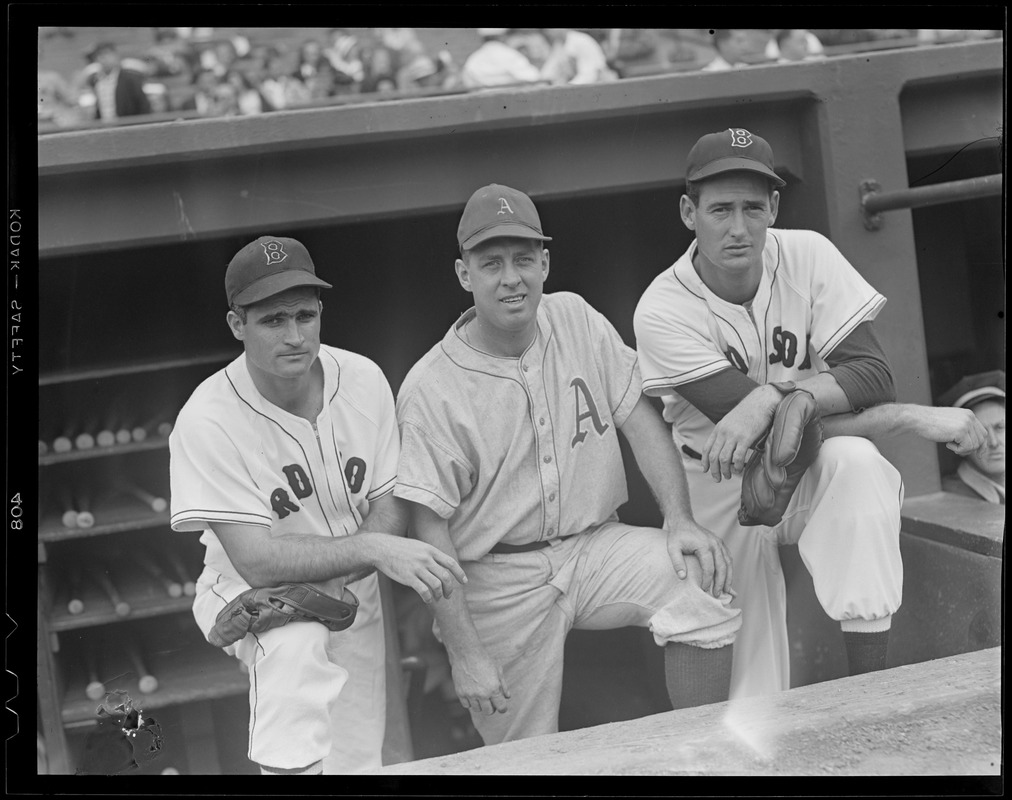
point(548, 459)
point(525, 368)
point(551, 531)
point(551, 497)
point(542, 420)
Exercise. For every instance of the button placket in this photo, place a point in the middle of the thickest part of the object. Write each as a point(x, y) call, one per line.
point(546, 446)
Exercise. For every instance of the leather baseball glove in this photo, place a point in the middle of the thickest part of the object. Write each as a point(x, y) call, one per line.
point(258, 610)
point(780, 459)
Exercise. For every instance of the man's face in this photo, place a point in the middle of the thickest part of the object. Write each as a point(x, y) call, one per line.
point(991, 458)
point(281, 334)
point(734, 46)
point(108, 59)
point(734, 211)
point(795, 46)
point(506, 277)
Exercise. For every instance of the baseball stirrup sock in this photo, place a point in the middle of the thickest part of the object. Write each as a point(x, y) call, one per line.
point(866, 652)
point(696, 676)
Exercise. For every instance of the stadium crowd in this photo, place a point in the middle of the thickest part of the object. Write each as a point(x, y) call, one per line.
point(198, 72)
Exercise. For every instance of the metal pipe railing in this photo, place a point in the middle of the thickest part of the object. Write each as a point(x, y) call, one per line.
point(874, 201)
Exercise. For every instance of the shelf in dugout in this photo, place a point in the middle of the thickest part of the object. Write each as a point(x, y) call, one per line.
point(100, 373)
point(187, 675)
point(152, 443)
point(144, 599)
point(108, 519)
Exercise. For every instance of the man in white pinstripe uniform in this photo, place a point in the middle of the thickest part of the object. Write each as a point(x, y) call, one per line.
point(286, 460)
point(747, 313)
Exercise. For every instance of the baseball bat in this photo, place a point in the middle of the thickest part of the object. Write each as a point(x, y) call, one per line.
point(83, 504)
point(139, 433)
point(62, 444)
point(105, 438)
point(146, 682)
point(164, 429)
point(65, 504)
point(123, 436)
point(156, 504)
point(121, 607)
point(43, 448)
point(172, 588)
point(75, 581)
point(84, 441)
point(189, 587)
point(170, 771)
point(95, 690)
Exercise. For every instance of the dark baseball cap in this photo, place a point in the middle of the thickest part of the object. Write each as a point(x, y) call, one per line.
point(267, 266)
point(730, 150)
point(495, 211)
point(973, 389)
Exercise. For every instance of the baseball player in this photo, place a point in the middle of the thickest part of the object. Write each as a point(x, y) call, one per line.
point(510, 458)
point(747, 314)
point(286, 460)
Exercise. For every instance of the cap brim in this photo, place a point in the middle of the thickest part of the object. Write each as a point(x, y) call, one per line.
point(735, 165)
point(503, 231)
point(978, 396)
point(274, 284)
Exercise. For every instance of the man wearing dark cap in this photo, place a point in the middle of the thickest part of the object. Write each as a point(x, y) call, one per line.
point(745, 316)
point(286, 460)
point(510, 458)
point(981, 474)
point(119, 92)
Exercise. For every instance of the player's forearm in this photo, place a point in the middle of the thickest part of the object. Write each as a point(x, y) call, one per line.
point(872, 423)
point(305, 558)
point(455, 625)
point(658, 460)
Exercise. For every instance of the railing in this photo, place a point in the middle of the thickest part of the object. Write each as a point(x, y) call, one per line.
point(874, 201)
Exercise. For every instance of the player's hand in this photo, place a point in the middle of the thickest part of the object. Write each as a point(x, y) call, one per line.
point(480, 685)
point(958, 428)
point(417, 565)
point(688, 538)
point(726, 449)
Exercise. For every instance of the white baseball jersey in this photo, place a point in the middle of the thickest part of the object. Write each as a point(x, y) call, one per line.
point(809, 299)
point(235, 457)
point(547, 419)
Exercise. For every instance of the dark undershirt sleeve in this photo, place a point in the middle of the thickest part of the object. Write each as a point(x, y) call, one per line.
point(717, 394)
point(858, 363)
point(860, 367)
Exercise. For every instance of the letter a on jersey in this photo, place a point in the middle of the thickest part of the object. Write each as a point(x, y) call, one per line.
point(580, 390)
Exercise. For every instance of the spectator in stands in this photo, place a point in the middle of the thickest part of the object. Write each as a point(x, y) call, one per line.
point(322, 83)
point(575, 58)
point(116, 90)
point(171, 55)
point(415, 68)
point(794, 44)
point(57, 99)
point(310, 59)
point(224, 54)
point(981, 474)
point(531, 43)
point(281, 89)
point(495, 63)
point(345, 54)
point(248, 97)
point(212, 97)
point(380, 65)
point(731, 44)
point(629, 49)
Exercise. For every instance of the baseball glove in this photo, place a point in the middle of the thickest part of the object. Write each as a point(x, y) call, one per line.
point(781, 457)
point(258, 610)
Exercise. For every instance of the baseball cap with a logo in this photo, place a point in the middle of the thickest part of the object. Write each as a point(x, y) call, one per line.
point(728, 151)
point(495, 211)
point(266, 266)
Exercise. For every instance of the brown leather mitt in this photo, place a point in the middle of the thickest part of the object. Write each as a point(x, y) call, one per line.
point(780, 459)
point(258, 610)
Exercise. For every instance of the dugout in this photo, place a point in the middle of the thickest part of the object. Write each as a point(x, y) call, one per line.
point(137, 223)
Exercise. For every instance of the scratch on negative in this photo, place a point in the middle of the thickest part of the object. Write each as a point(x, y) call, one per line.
point(184, 221)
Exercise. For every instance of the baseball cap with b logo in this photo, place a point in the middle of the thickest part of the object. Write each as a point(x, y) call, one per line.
point(728, 151)
point(495, 211)
point(267, 266)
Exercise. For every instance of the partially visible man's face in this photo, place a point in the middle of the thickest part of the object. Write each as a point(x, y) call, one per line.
point(735, 46)
point(990, 459)
point(795, 46)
